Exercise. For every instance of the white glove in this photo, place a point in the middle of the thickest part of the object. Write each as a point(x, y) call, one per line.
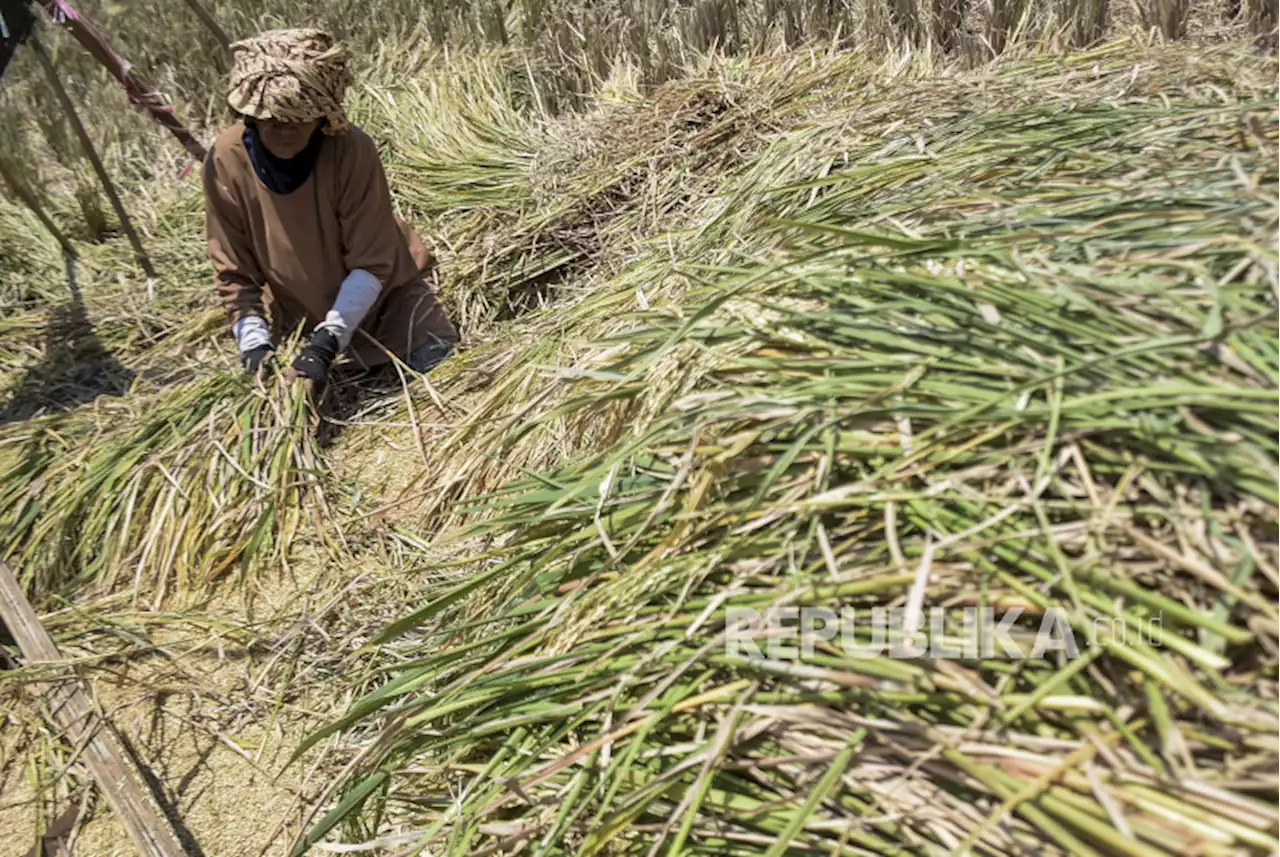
point(251, 332)
point(356, 296)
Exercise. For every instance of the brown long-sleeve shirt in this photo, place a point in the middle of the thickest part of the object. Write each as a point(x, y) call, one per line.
point(283, 257)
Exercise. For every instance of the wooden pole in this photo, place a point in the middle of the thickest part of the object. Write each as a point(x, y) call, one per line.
point(206, 18)
point(22, 192)
point(139, 92)
point(82, 724)
point(87, 144)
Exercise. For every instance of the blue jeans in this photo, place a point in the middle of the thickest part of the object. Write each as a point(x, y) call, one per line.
point(424, 358)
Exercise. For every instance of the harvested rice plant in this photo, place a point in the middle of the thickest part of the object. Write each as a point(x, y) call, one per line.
point(862, 441)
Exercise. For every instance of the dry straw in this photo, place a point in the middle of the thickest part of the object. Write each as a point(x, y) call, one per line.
point(160, 494)
point(1024, 317)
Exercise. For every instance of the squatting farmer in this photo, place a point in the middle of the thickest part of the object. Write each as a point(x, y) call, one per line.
point(301, 228)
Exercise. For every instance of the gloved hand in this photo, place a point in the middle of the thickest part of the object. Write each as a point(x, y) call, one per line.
point(313, 362)
point(255, 359)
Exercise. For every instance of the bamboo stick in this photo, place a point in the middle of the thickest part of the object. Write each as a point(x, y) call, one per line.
point(65, 100)
point(75, 714)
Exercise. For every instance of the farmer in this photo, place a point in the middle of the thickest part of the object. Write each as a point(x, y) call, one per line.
point(300, 224)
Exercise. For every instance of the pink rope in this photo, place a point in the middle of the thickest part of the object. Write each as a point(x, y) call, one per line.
point(66, 16)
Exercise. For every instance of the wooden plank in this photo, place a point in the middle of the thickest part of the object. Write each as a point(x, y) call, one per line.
point(82, 725)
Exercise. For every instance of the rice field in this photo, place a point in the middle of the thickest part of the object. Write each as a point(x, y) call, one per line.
point(830, 329)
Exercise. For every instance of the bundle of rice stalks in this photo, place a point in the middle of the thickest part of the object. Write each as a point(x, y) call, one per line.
point(523, 206)
point(161, 494)
point(1043, 154)
point(1021, 362)
point(585, 695)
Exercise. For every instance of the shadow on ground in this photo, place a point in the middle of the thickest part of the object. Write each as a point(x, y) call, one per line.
point(75, 368)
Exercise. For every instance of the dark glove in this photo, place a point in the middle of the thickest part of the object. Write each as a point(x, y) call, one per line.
point(255, 358)
point(315, 358)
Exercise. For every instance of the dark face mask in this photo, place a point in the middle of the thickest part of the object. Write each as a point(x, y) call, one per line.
point(281, 175)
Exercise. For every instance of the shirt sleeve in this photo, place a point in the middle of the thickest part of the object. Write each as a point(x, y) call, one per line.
point(371, 237)
point(235, 273)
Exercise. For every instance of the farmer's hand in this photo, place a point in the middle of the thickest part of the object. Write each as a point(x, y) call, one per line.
point(255, 360)
point(313, 362)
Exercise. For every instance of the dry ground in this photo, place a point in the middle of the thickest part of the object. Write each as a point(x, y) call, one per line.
point(212, 705)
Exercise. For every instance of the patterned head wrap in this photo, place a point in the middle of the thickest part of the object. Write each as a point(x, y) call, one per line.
point(291, 76)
